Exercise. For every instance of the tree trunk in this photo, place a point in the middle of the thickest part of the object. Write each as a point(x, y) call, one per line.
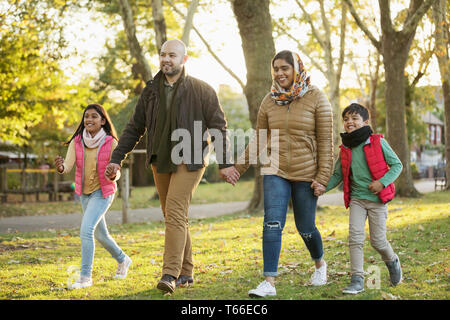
point(442, 55)
point(371, 105)
point(135, 48)
point(159, 23)
point(189, 22)
point(394, 47)
point(395, 53)
point(337, 119)
point(334, 65)
point(255, 28)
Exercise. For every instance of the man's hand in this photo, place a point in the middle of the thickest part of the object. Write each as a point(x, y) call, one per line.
point(319, 189)
point(376, 186)
point(230, 175)
point(111, 171)
point(59, 164)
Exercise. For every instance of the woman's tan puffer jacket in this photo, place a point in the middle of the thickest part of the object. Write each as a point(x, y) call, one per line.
point(305, 136)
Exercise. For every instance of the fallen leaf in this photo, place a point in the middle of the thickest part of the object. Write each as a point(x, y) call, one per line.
point(13, 261)
point(388, 296)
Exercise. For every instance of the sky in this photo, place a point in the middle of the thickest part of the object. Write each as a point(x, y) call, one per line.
point(88, 37)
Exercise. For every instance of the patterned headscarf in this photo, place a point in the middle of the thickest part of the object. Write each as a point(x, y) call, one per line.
point(299, 86)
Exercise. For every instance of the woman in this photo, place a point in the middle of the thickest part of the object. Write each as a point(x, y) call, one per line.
point(300, 116)
point(89, 150)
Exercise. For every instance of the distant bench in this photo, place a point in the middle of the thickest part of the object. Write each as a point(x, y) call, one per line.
point(54, 194)
point(440, 179)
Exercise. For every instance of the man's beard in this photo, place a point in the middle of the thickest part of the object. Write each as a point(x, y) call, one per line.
point(174, 71)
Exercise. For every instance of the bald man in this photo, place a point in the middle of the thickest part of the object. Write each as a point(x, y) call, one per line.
point(174, 104)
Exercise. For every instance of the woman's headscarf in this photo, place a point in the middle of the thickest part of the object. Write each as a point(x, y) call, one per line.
point(299, 86)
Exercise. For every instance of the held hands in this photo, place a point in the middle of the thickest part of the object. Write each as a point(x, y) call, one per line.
point(376, 186)
point(59, 164)
point(111, 171)
point(230, 175)
point(319, 189)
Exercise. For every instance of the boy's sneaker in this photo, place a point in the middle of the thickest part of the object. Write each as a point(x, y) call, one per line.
point(356, 285)
point(263, 289)
point(122, 268)
point(319, 277)
point(82, 282)
point(395, 271)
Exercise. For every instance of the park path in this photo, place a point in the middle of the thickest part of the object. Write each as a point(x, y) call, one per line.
point(196, 211)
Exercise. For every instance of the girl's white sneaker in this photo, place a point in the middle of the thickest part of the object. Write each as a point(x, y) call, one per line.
point(122, 268)
point(263, 289)
point(82, 282)
point(319, 278)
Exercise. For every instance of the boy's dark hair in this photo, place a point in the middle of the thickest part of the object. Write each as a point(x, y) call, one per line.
point(108, 126)
point(286, 55)
point(358, 109)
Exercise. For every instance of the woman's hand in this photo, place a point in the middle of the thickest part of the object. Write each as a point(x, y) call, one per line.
point(319, 189)
point(59, 164)
point(230, 175)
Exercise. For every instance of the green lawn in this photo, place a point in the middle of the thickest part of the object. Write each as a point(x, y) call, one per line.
point(228, 258)
point(140, 198)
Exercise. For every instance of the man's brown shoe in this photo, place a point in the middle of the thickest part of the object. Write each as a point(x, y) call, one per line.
point(167, 283)
point(184, 281)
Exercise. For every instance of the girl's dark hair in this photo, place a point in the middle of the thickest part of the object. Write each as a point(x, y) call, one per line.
point(108, 126)
point(285, 55)
point(358, 109)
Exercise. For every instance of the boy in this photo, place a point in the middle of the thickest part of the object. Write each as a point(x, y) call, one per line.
point(368, 166)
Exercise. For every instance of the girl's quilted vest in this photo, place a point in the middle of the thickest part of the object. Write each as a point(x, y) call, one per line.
point(103, 155)
point(377, 166)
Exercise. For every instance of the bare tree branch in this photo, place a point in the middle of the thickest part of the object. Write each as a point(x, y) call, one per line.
point(313, 29)
point(326, 26)
point(208, 47)
point(375, 42)
point(385, 16)
point(189, 21)
point(342, 42)
point(411, 23)
point(159, 23)
point(301, 47)
point(135, 48)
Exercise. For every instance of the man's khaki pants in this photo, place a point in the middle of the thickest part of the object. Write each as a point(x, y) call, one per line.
point(175, 192)
point(377, 213)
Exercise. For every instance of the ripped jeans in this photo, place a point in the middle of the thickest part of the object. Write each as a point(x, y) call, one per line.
point(277, 193)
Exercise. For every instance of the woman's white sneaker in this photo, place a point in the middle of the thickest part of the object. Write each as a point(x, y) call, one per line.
point(319, 278)
point(262, 290)
point(82, 282)
point(122, 268)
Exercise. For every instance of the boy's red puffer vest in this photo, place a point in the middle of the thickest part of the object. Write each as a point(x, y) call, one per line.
point(377, 166)
point(103, 155)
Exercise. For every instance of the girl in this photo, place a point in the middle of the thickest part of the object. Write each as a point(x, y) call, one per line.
point(90, 149)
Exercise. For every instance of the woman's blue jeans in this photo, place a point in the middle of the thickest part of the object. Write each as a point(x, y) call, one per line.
point(93, 225)
point(277, 193)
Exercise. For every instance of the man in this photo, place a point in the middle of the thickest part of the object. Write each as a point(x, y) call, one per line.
point(176, 101)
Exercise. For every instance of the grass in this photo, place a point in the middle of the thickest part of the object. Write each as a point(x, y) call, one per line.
point(140, 198)
point(228, 258)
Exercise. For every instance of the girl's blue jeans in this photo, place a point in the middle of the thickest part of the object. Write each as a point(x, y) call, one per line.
point(277, 193)
point(93, 225)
